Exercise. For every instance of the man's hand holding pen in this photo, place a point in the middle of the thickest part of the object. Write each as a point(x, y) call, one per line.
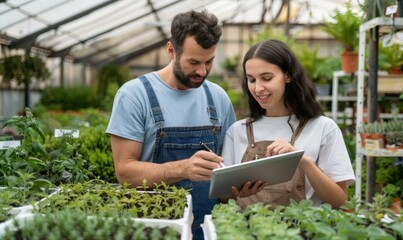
point(205, 147)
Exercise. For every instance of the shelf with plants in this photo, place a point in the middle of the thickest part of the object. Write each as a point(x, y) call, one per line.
point(375, 21)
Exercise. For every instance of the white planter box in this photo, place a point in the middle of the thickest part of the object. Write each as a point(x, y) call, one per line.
point(180, 227)
point(209, 228)
point(28, 208)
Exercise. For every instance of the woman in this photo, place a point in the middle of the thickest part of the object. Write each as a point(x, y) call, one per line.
point(284, 117)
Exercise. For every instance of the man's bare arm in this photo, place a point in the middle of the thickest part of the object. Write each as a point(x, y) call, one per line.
point(129, 168)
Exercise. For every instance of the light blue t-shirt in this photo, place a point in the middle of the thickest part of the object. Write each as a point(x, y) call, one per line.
point(132, 119)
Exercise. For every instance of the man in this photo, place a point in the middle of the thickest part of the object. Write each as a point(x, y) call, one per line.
point(159, 119)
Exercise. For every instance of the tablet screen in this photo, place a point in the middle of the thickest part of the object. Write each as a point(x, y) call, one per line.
point(273, 170)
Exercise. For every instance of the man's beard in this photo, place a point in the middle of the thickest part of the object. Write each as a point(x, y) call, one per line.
point(185, 80)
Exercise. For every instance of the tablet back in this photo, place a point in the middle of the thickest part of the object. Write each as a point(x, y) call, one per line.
point(273, 170)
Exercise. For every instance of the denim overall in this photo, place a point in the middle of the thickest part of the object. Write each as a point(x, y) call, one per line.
point(174, 143)
point(278, 194)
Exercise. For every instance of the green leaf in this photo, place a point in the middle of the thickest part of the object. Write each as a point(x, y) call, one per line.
point(41, 183)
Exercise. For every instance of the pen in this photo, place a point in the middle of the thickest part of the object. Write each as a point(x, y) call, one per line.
point(204, 146)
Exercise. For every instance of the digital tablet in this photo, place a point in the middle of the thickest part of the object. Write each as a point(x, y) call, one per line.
point(273, 170)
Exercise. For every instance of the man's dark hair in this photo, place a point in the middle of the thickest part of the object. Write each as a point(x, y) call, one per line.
point(201, 25)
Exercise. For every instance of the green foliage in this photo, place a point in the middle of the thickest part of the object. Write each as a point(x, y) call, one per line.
point(271, 33)
point(68, 224)
point(319, 69)
point(99, 197)
point(344, 26)
point(303, 221)
point(67, 164)
point(231, 63)
point(323, 72)
point(374, 127)
point(23, 69)
point(107, 100)
point(95, 146)
point(111, 73)
point(71, 98)
point(390, 57)
point(394, 132)
point(30, 157)
point(311, 61)
point(394, 138)
point(35, 163)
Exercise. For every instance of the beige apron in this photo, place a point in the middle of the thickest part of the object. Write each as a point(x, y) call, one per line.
point(278, 194)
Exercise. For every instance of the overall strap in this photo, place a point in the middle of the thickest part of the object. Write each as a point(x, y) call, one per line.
point(211, 107)
point(156, 111)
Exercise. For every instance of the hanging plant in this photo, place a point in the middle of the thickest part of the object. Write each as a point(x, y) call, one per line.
point(23, 69)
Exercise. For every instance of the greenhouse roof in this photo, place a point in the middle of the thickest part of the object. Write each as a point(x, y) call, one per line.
point(104, 30)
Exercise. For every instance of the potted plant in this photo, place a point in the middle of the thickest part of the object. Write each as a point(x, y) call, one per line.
point(344, 27)
point(372, 135)
point(394, 134)
point(393, 196)
point(391, 59)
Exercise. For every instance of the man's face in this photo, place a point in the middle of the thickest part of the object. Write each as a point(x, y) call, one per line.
point(192, 67)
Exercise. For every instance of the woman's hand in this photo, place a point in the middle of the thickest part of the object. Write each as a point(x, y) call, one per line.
point(248, 189)
point(279, 146)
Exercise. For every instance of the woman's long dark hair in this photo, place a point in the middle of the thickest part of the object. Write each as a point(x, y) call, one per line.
point(300, 95)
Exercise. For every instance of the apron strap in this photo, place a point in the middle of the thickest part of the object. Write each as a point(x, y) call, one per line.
point(211, 107)
point(156, 111)
point(249, 131)
point(251, 138)
point(297, 132)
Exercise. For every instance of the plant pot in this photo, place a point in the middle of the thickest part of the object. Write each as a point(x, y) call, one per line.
point(323, 89)
point(349, 61)
point(371, 141)
point(396, 71)
point(396, 205)
point(393, 147)
point(349, 89)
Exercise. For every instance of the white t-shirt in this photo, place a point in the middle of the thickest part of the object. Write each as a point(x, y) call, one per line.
point(321, 140)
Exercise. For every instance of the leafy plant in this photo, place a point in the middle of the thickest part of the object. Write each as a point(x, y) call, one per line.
point(374, 127)
point(390, 57)
point(23, 69)
point(94, 145)
point(98, 197)
point(68, 224)
point(231, 63)
point(344, 26)
point(29, 159)
point(303, 221)
point(394, 139)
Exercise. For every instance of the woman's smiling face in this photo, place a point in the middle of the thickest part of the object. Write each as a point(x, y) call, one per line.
point(266, 83)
